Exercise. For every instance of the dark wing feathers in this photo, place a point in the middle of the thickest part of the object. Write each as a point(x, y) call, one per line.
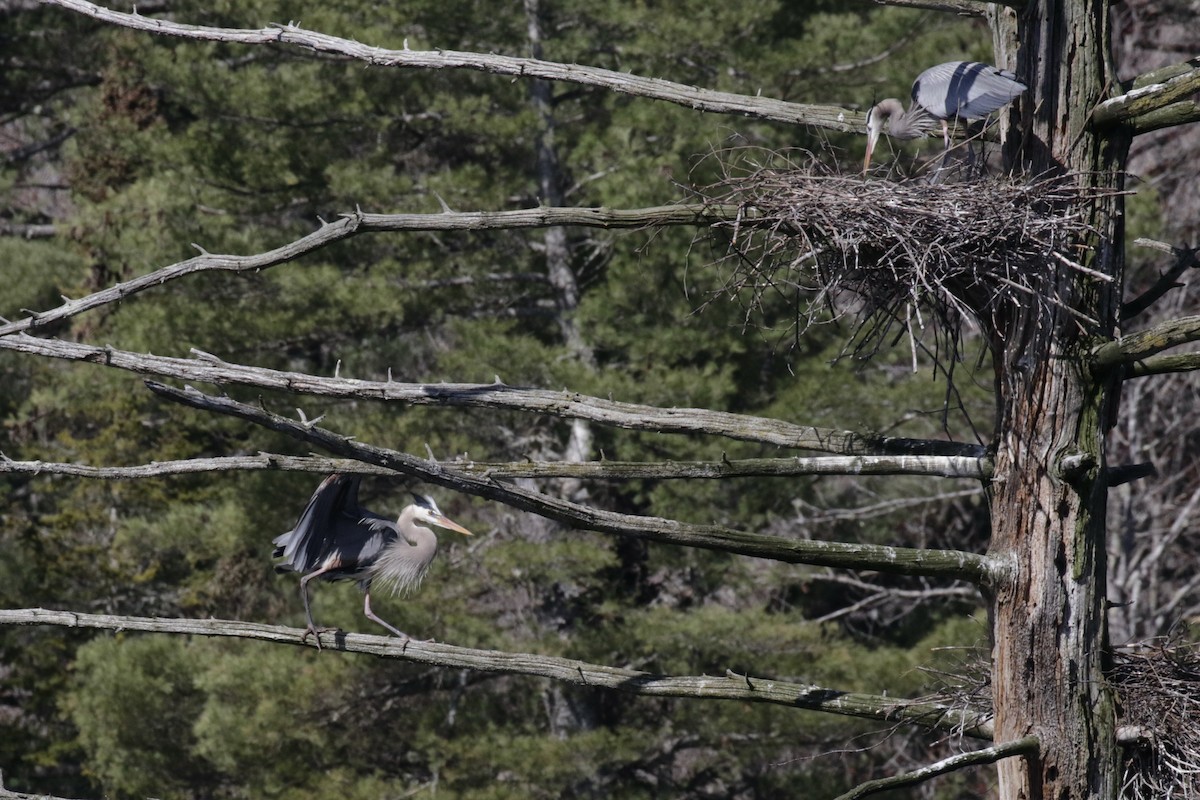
point(334, 523)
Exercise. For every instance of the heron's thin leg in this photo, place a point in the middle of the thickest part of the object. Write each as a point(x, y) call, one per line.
point(371, 616)
point(312, 629)
point(946, 133)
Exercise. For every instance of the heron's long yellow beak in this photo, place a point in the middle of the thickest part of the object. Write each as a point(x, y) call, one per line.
point(872, 138)
point(450, 525)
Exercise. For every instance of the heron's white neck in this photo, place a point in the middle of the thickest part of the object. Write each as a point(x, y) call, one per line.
point(901, 124)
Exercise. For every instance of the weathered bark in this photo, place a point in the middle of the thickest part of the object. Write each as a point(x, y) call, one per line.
point(1049, 491)
point(730, 686)
point(955, 564)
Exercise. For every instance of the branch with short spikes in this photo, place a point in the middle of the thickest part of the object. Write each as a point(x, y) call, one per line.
point(988, 755)
point(207, 368)
point(358, 223)
point(731, 686)
point(937, 466)
point(951, 564)
point(831, 117)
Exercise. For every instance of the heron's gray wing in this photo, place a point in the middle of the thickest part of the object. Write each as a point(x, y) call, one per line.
point(330, 524)
point(967, 89)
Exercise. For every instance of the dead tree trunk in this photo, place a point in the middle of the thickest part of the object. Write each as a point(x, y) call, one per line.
point(1048, 502)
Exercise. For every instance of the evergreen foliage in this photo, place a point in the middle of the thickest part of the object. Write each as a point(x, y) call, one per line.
point(239, 150)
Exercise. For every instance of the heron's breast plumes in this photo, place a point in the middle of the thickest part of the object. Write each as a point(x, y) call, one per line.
point(401, 566)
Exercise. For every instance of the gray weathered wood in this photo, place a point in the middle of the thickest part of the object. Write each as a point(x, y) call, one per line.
point(954, 564)
point(730, 686)
point(566, 404)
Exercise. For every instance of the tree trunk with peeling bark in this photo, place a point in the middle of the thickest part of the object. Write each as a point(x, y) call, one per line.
point(1049, 490)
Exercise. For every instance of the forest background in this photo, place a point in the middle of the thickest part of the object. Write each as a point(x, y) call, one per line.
point(123, 149)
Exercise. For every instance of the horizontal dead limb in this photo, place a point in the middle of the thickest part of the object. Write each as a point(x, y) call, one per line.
point(938, 466)
point(1151, 93)
point(565, 404)
point(989, 755)
point(831, 117)
point(28, 230)
point(964, 8)
point(1128, 473)
point(353, 224)
point(1162, 365)
point(953, 564)
point(727, 687)
point(1140, 345)
point(9, 794)
point(1184, 112)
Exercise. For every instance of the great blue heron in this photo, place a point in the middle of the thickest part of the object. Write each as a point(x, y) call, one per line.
point(337, 539)
point(954, 90)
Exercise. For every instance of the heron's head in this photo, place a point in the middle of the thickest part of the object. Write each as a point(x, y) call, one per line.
point(427, 511)
point(884, 111)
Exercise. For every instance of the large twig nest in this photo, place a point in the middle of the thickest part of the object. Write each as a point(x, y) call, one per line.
point(959, 250)
point(1158, 687)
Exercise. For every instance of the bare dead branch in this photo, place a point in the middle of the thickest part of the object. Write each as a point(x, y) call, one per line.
point(731, 686)
point(953, 564)
point(1161, 365)
point(882, 595)
point(964, 8)
point(1128, 473)
point(1140, 345)
point(565, 404)
point(988, 755)
point(28, 230)
point(1150, 93)
point(939, 466)
point(1181, 113)
point(353, 224)
point(1185, 258)
point(831, 117)
point(9, 794)
point(812, 514)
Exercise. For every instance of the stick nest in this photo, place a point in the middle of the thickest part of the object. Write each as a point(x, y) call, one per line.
point(959, 250)
point(1158, 687)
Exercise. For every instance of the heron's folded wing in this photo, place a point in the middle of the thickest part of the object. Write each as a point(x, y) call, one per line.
point(967, 89)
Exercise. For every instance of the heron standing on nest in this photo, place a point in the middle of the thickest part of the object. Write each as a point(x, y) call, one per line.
point(337, 539)
point(954, 90)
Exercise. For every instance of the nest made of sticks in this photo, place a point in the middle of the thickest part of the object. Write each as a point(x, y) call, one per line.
point(1158, 686)
point(954, 251)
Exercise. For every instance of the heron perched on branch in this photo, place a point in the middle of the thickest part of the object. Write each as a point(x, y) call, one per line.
point(954, 90)
point(337, 539)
